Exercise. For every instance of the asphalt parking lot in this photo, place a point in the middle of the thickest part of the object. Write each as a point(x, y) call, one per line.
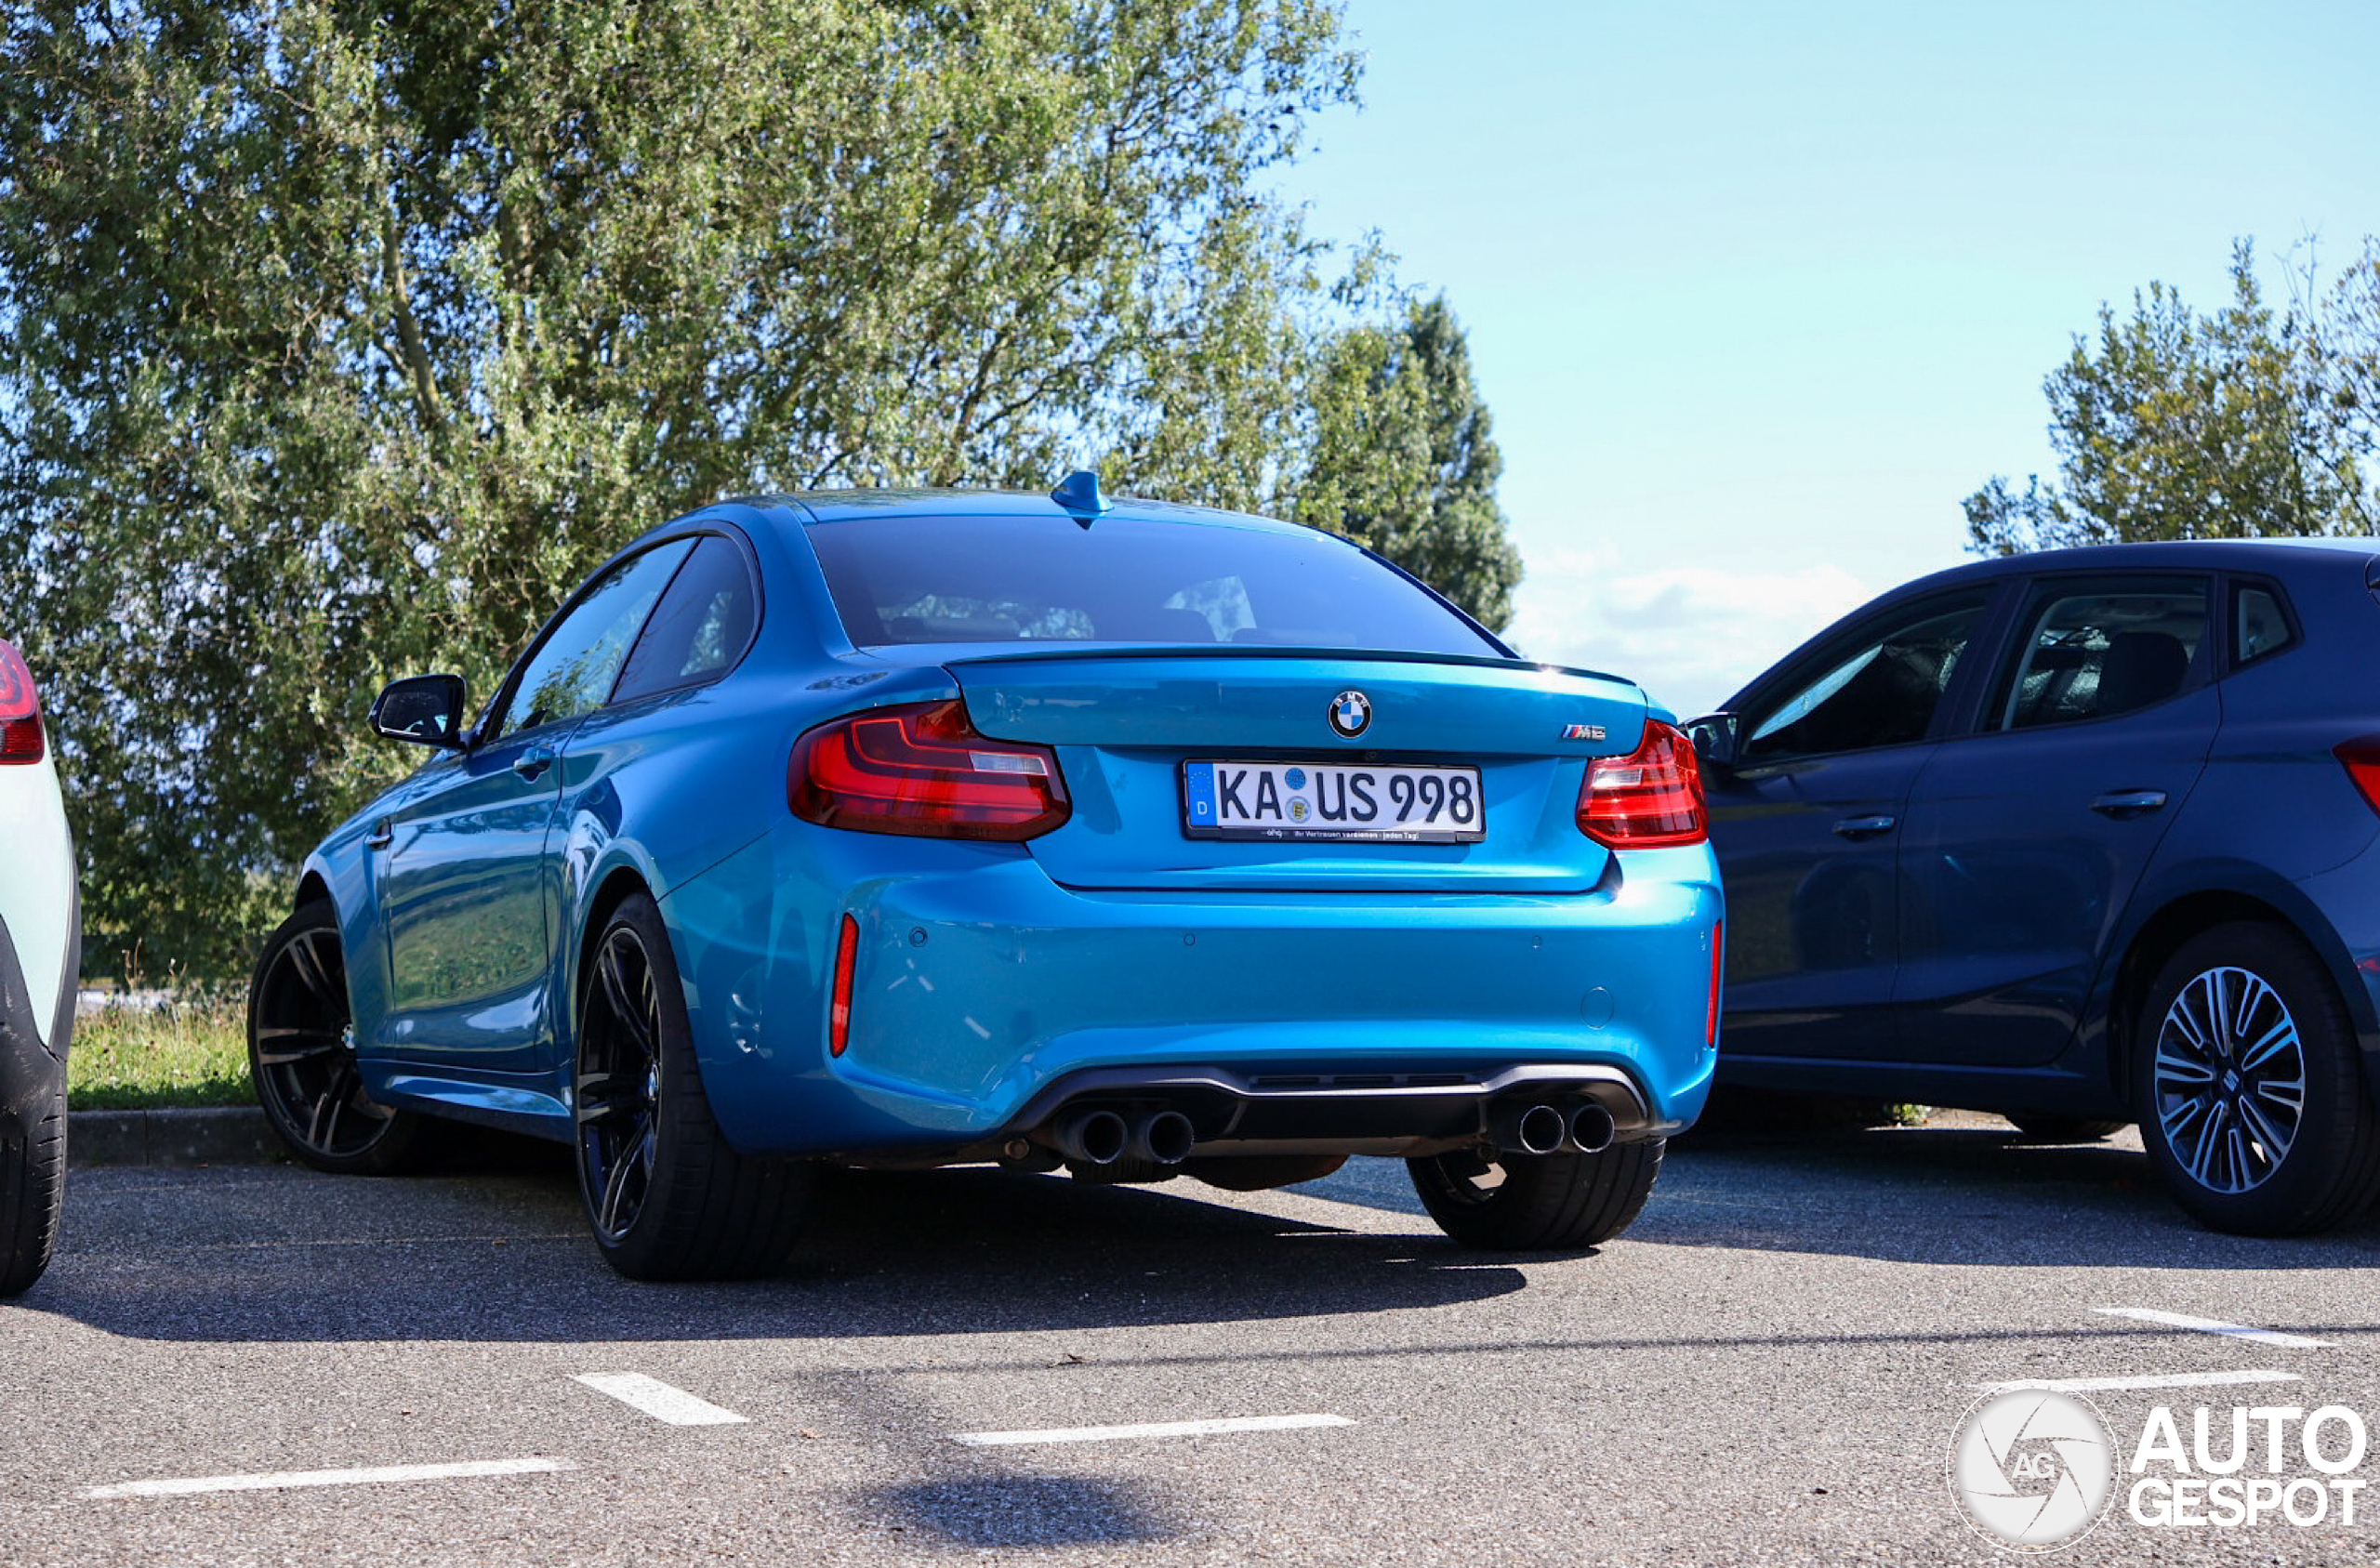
point(260, 1364)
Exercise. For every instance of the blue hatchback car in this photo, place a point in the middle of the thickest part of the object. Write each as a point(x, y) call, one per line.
point(2087, 838)
point(901, 829)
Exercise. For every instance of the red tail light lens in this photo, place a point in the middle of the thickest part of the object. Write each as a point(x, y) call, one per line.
point(1648, 799)
point(20, 736)
point(923, 770)
point(2360, 757)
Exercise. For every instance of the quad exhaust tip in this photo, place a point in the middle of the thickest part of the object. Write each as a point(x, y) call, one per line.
point(1102, 1137)
point(1095, 1138)
point(1544, 1129)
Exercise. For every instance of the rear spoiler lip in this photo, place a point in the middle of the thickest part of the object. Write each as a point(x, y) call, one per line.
point(948, 656)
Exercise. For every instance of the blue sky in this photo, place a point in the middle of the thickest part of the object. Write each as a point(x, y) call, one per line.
point(1758, 292)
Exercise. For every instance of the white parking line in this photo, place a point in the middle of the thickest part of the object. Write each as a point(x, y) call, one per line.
point(2169, 1381)
point(657, 1398)
point(2210, 1326)
point(1151, 1428)
point(176, 1488)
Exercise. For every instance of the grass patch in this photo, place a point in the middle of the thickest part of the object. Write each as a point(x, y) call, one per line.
point(192, 1051)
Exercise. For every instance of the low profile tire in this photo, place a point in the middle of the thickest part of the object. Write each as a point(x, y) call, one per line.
point(2252, 1105)
point(301, 1054)
point(2063, 1130)
point(666, 1195)
point(33, 1191)
point(1537, 1203)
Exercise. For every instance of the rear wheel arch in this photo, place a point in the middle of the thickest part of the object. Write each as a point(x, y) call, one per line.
point(312, 887)
point(618, 885)
point(2164, 934)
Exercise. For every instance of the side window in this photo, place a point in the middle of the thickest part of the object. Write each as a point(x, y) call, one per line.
point(2259, 624)
point(699, 628)
point(1879, 689)
point(572, 670)
point(2095, 650)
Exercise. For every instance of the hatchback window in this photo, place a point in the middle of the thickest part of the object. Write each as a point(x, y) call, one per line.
point(572, 671)
point(2263, 624)
point(2096, 651)
point(1880, 688)
point(1047, 579)
point(699, 628)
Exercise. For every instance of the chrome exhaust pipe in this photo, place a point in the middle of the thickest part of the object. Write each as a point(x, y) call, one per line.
point(1527, 1129)
point(1093, 1138)
point(1592, 1129)
point(1162, 1137)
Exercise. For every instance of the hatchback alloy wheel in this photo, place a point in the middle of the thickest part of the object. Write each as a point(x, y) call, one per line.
point(2252, 1099)
point(2230, 1079)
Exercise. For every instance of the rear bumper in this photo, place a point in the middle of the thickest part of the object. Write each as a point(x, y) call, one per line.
point(985, 995)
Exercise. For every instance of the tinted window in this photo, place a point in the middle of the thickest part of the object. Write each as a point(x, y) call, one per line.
point(700, 626)
point(572, 671)
point(1880, 687)
point(1045, 579)
point(2092, 651)
point(2262, 625)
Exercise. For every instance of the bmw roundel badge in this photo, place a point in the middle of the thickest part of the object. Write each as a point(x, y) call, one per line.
point(1351, 713)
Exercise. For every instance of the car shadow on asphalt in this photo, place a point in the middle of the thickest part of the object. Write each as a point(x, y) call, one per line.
point(494, 1249)
point(1974, 1192)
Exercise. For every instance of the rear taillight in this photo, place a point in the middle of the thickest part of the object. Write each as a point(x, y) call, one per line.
point(20, 736)
point(923, 770)
point(1650, 798)
point(2361, 758)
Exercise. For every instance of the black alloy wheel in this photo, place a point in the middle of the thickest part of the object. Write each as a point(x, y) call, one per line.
point(666, 1196)
point(301, 1054)
point(2251, 1086)
point(620, 1086)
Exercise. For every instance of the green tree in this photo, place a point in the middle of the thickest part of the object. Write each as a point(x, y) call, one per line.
point(337, 339)
point(2174, 424)
point(1401, 459)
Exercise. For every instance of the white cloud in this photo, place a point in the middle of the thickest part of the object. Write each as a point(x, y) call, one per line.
point(1691, 636)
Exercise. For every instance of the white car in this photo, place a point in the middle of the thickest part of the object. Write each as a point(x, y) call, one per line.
point(40, 953)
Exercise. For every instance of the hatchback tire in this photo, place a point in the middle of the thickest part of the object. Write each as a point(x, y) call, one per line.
point(2252, 1104)
point(1537, 1203)
point(301, 1056)
point(666, 1196)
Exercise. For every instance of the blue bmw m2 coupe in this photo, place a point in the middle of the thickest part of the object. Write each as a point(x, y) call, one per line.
point(902, 829)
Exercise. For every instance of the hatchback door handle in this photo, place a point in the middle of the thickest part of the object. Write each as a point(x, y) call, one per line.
point(531, 762)
point(1864, 827)
point(2125, 802)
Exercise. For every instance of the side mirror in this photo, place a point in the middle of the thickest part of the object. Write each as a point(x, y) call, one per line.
point(1713, 735)
point(427, 709)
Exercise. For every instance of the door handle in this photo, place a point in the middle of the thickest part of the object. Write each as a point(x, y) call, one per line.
point(2126, 802)
point(384, 833)
point(531, 762)
point(1864, 827)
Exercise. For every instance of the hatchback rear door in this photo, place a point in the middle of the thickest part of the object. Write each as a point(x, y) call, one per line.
point(2024, 839)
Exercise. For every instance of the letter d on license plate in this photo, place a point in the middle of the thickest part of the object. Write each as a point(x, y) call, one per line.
point(1388, 803)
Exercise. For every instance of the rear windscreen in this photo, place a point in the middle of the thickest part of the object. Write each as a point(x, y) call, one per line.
point(1047, 579)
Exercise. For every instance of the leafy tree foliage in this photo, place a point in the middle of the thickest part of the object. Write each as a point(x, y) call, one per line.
point(2174, 424)
point(337, 339)
point(1403, 462)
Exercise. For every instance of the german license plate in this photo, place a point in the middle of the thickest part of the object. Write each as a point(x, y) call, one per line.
point(1389, 803)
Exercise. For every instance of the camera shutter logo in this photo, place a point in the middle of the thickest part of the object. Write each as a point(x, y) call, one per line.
point(2033, 1467)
